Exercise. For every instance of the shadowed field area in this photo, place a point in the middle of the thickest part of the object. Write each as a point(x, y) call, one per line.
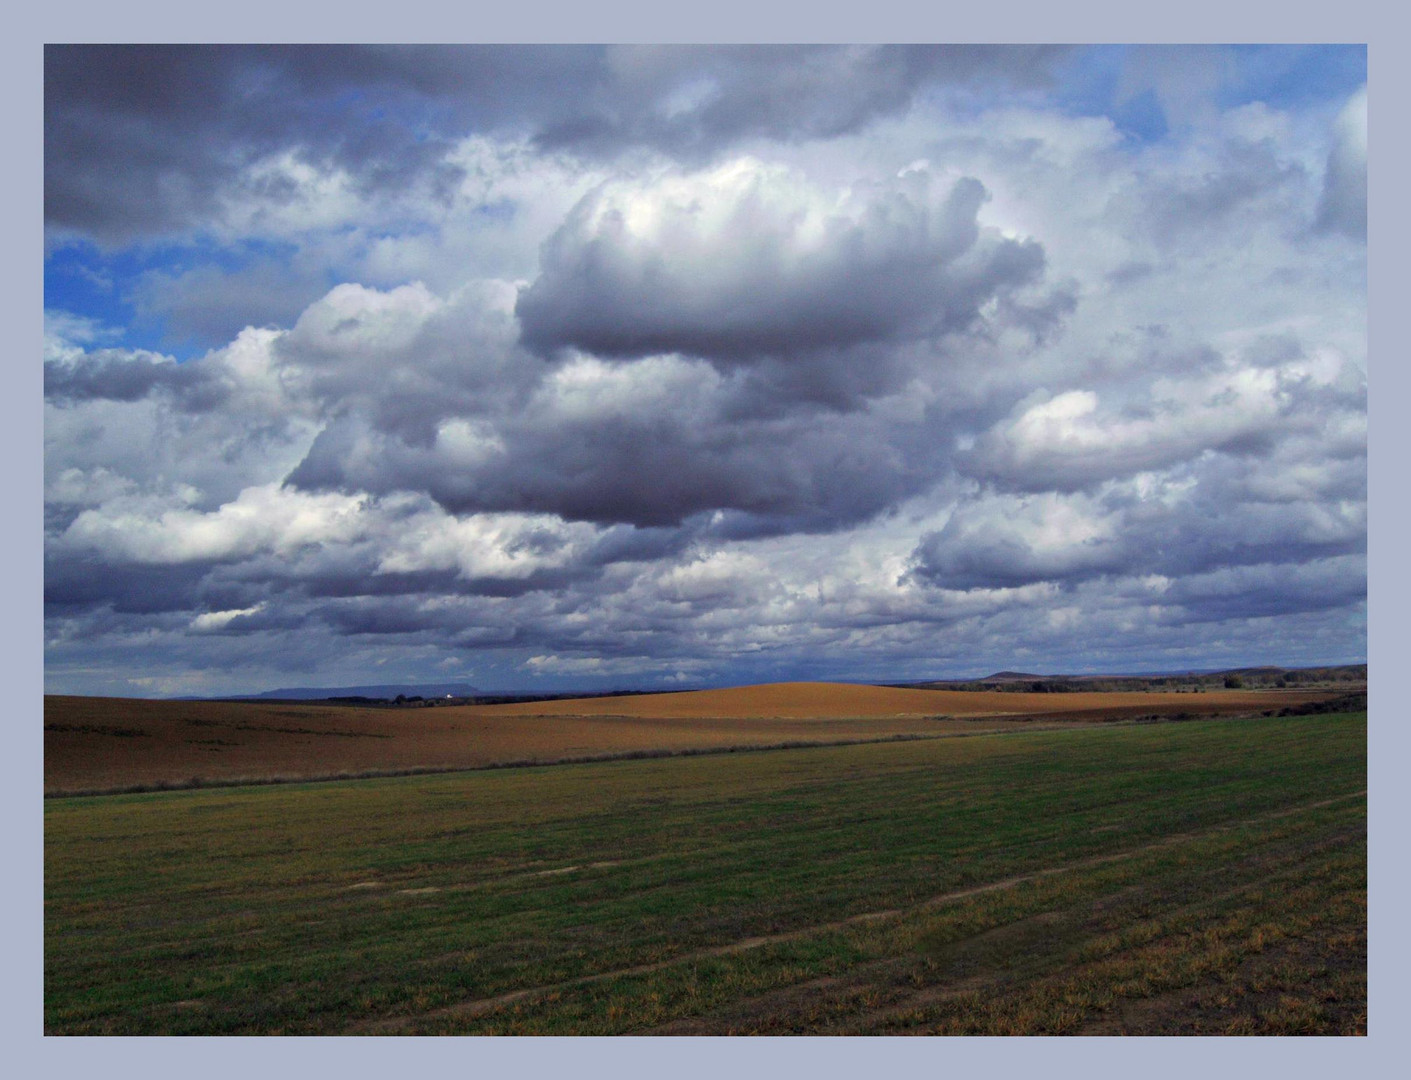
point(104, 744)
point(1198, 877)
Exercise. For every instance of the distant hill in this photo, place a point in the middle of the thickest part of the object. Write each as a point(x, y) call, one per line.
point(1252, 678)
point(382, 690)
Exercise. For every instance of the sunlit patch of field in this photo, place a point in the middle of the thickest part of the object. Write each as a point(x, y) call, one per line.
point(1204, 877)
point(98, 744)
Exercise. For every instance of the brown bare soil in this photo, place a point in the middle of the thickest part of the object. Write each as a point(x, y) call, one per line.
point(104, 744)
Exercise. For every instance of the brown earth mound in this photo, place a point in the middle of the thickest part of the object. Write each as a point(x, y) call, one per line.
point(104, 744)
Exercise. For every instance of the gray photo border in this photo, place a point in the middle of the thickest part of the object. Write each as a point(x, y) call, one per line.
point(639, 21)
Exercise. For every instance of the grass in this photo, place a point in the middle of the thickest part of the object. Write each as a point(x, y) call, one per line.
point(1208, 876)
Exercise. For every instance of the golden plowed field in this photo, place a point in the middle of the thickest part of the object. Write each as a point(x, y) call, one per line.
point(93, 744)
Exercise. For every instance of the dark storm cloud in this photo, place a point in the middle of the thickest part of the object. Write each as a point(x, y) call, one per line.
point(142, 139)
point(647, 471)
point(347, 573)
point(1270, 589)
point(626, 543)
point(112, 375)
point(378, 616)
point(745, 261)
point(78, 581)
point(692, 101)
point(470, 620)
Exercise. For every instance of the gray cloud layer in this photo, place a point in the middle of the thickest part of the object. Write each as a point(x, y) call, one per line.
point(740, 263)
point(142, 138)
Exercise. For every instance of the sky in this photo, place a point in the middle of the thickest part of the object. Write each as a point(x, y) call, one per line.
point(557, 368)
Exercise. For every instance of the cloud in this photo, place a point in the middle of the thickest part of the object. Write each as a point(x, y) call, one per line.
point(748, 259)
point(513, 546)
point(596, 665)
point(421, 393)
point(143, 140)
point(1172, 526)
point(651, 443)
point(151, 140)
point(1271, 589)
point(1186, 207)
point(1343, 205)
point(693, 101)
point(1068, 442)
point(1003, 543)
point(211, 621)
point(407, 358)
point(265, 518)
point(65, 334)
point(211, 306)
point(579, 367)
point(131, 376)
point(1184, 79)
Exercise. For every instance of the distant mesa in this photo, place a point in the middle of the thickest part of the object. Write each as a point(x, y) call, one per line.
point(1005, 676)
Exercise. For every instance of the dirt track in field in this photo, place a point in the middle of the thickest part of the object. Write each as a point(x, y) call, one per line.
point(95, 744)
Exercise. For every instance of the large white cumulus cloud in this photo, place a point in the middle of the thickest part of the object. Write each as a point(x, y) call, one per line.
point(750, 259)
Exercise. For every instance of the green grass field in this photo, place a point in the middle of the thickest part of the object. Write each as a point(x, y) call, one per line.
point(1206, 876)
